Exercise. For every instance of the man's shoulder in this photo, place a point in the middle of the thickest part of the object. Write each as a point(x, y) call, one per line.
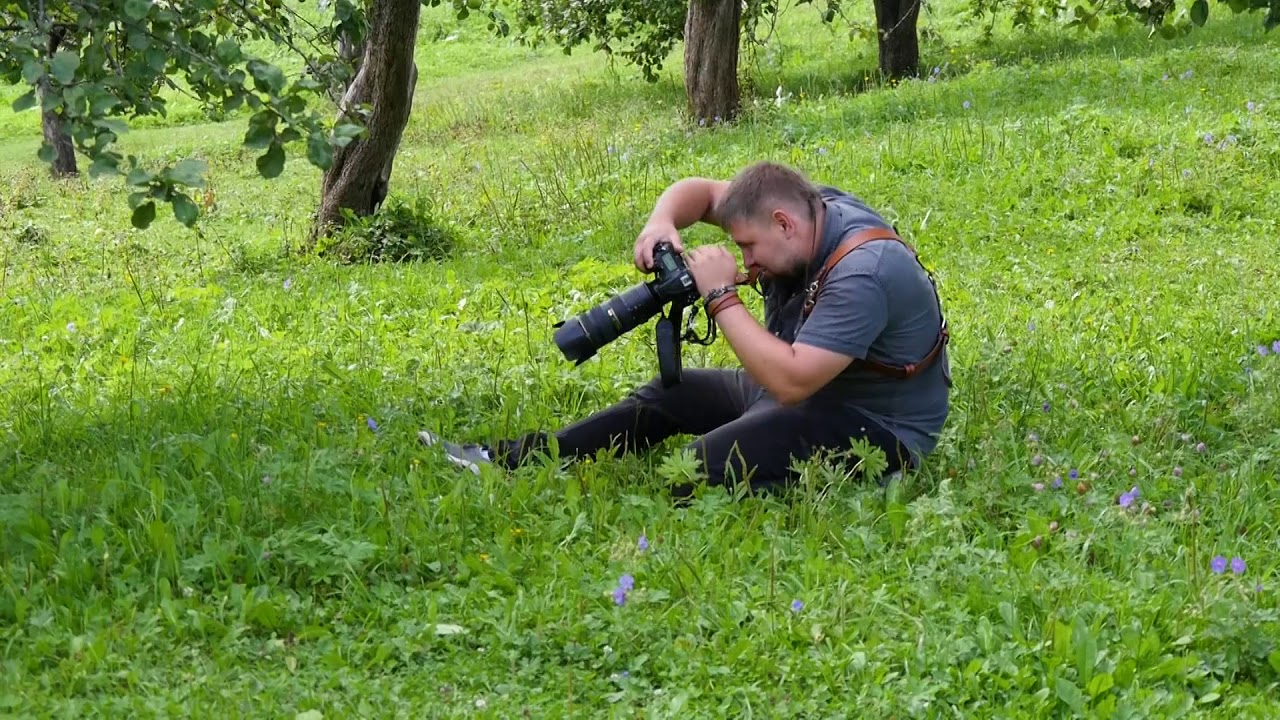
point(886, 260)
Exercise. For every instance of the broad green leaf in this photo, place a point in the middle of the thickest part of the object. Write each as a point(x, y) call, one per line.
point(228, 51)
point(189, 172)
point(271, 164)
point(319, 152)
point(269, 77)
point(25, 102)
point(32, 71)
point(1274, 659)
point(138, 176)
point(144, 215)
point(115, 125)
point(1086, 647)
point(1070, 694)
point(104, 165)
point(184, 210)
point(63, 66)
point(137, 9)
point(1200, 12)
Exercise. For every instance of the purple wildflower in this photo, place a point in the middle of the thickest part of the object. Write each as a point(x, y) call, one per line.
point(967, 104)
point(1045, 407)
point(1250, 106)
point(1262, 350)
point(1218, 564)
point(288, 283)
point(1200, 447)
point(1275, 347)
point(1126, 499)
point(937, 70)
point(619, 596)
point(1186, 173)
point(1074, 474)
point(626, 582)
point(373, 424)
point(643, 544)
point(1208, 138)
point(1237, 565)
point(1057, 482)
point(1038, 487)
point(797, 605)
point(1037, 459)
point(1177, 471)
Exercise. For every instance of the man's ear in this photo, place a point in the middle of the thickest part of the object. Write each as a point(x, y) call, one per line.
point(781, 217)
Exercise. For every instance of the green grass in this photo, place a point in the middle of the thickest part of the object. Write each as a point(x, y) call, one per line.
point(196, 520)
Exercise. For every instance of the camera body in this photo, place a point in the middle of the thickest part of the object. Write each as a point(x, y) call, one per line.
point(580, 337)
point(672, 282)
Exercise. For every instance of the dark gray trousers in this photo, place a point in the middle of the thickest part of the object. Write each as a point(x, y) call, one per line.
point(742, 432)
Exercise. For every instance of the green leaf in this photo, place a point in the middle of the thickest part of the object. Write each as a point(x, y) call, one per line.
point(228, 51)
point(137, 9)
point(1086, 647)
point(270, 78)
point(46, 152)
point(189, 172)
point(25, 102)
point(319, 151)
point(271, 164)
point(144, 214)
point(138, 176)
point(1274, 659)
point(1200, 12)
point(1070, 694)
point(261, 132)
point(115, 125)
point(184, 210)
point(105, 165)
point(64, 65)
point(32, 71)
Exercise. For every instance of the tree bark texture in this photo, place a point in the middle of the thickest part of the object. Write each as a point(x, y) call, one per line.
point(711, 32)
point(360, 175)
point(898, 39)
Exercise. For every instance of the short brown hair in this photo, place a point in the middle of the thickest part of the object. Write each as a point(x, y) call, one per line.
point(761, 185)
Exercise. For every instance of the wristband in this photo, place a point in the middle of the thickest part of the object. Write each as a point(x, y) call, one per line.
point(727, 302)
point(711, 296)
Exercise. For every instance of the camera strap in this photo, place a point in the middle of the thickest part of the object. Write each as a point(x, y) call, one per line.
point(848, 245)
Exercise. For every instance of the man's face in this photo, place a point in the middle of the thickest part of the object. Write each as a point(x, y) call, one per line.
point(769, 243)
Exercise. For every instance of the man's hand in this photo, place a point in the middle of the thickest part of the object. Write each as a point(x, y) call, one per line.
point(651, 235)
point(712, 267)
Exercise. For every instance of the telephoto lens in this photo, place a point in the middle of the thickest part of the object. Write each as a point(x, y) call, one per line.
point(580, 337)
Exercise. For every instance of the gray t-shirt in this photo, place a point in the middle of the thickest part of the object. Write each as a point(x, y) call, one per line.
point(876, 303)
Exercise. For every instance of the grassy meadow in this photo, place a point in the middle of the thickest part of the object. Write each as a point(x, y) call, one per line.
point(212, 503)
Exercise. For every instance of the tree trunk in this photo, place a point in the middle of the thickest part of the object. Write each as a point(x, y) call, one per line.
point(899, 41)
point(51, 121)
point(711, 31)
point(360, 175)
point(55, 135)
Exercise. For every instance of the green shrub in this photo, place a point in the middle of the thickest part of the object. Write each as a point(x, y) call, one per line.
point(401, 231)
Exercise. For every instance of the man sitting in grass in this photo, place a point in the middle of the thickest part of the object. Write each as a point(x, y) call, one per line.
point(865, 359)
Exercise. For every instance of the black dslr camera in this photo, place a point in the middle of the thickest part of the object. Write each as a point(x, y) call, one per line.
point(579, 338)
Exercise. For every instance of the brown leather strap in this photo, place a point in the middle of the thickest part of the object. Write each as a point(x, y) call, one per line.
point(848, 245)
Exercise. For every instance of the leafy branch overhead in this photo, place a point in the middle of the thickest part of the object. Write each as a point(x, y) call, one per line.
point(91, 63)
